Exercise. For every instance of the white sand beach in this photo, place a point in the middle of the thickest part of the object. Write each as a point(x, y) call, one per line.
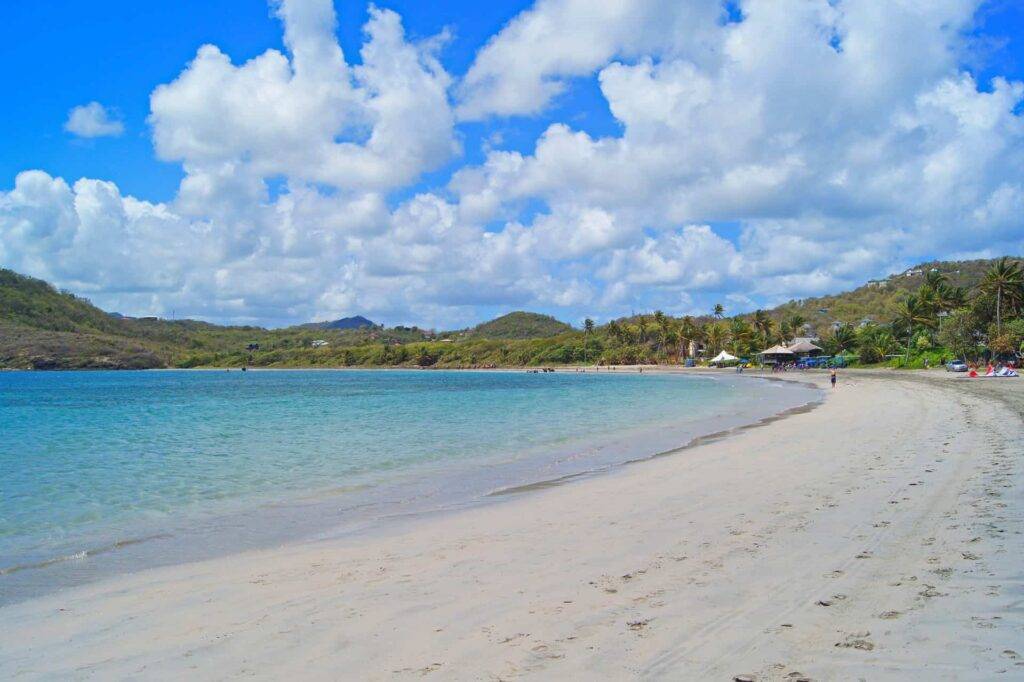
point(878, 536)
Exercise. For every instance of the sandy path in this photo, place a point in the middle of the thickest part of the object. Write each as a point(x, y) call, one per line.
point(897, 505)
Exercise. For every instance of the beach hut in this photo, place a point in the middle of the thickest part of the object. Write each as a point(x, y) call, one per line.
point(776, 354)
point(805, 349)
point(723, 358)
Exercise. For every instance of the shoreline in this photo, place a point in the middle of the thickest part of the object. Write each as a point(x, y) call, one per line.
point(669, 368)
point(694, 442)
point(135, 548)
point(882, 502)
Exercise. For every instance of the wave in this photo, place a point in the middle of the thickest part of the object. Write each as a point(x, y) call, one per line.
point(81, 555)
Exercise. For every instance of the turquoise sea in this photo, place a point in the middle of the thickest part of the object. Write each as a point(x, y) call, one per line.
point(105, 472)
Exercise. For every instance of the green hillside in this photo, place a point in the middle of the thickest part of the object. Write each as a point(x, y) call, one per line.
point(519, 325)
point(878, 300)
point(41, 327)
point(34, 303)
point(932, 311)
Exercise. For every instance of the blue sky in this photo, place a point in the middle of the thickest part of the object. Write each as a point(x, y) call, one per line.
point(656, 156)
point(62, 53)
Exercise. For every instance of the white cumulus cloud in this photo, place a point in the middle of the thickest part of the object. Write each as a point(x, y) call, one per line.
point(93, 120)
point(803, 148)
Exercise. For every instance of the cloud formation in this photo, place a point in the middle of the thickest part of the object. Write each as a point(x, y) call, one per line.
point(93, 120)
point(796, 149)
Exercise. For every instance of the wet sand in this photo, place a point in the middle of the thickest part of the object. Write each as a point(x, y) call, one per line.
point(877, 536)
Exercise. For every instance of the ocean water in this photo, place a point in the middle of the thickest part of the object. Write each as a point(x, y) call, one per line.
point(104, 472)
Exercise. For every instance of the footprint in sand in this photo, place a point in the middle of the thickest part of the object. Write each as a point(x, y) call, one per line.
point(544, 651)
point(857, 640)
point(638, 625)
point(832, 600)
point(513, 638)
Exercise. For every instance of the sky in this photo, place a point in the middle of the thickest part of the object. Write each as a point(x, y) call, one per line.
point(441, 163)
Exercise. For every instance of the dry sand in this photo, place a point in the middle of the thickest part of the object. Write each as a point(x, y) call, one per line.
point(875, 537)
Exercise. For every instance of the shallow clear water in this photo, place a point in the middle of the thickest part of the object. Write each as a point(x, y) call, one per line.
point(109, 471)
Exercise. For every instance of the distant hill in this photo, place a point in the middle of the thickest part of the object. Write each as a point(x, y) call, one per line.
point(43, 328)
point(519, 325)
point(357, 322)
point(876, 299)
point(35, 303)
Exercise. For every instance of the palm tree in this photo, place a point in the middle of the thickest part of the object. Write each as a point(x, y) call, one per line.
point(689, 331)
point(718, 311)
point(913, 314)
point(929, 299)
point(740, 333)
point(641, 326)
point(796, 322)
point(881, 344)
point(632, 334)
point(614, 330)
point(953, 298)
point(716, 335)
point(1004, 281)
point(663, 323)
point(763, 326)
point(588, 328)
point(672, 339)
point(934, 280)
point(842, 339)
point(944, 297)
point(786, 331)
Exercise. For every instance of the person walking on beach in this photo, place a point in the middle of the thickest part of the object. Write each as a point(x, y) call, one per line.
point(832, 376)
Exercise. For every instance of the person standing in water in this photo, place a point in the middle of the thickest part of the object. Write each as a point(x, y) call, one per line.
point(832, 376)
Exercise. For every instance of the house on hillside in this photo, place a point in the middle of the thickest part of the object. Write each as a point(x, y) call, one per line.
point(319, 343)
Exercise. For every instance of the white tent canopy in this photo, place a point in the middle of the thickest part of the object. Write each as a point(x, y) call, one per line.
point(722, 357)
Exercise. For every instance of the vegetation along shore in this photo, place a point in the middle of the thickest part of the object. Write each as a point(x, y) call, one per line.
point(922, 317)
